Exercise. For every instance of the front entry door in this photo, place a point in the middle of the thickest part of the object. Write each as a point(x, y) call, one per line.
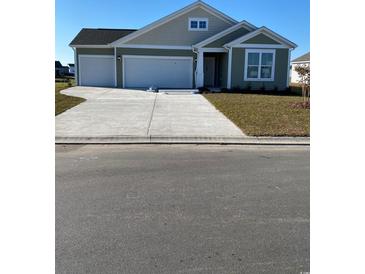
point(209, 71)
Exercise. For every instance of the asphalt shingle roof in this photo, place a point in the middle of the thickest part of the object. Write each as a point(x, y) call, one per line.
point(303, 58)
point(99, 36)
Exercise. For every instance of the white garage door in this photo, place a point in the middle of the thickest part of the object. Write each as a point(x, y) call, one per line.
point(160, 71)
point(97, 70)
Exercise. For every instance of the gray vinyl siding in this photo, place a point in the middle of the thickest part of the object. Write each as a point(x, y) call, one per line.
point(224, 69)
point(91, 51)
point(151, 52)
point(176, 32)
point(260, 39)
point(227, 38)
point(281, 69)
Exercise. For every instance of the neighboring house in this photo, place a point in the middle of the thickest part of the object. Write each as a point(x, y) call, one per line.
point(60, 70)
point(193, 47)
point(302, 60)
point(71, 69)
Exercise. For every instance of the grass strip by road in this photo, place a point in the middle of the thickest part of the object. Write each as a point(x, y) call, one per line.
point(64, 102)
point(263, 114)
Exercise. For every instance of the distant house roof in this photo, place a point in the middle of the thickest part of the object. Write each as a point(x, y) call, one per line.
point(99, 36)
point(58, 64)
point(303, 58)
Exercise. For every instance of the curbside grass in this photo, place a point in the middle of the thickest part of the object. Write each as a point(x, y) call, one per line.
point(65, 102)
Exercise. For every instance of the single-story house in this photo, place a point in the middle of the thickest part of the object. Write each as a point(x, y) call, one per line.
point(301, 60)
point(193, 47)
point(60, 70)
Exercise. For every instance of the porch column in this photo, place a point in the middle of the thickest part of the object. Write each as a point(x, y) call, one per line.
point(199, 81)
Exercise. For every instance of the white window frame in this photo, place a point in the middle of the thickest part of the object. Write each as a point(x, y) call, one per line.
point(198, 21)
point(259, 51)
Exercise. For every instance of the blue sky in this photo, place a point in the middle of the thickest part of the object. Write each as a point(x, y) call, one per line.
point(288, 18)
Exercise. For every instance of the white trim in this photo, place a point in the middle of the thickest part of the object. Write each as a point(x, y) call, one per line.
point(92, 46)
point(262, 46)
point(158, 57)
point(229, 74)
point(213, 50)
point(260, 51)
point(97, 55)
point(172, 16)
point(144, 46)
point(115, 67)
point(198, 20)
point(263, 30)
point(221, 34)
point(288, 69)
point(217, 13)
point(76, 67)
point(300, 62)
point(91, 55)
point(199, 72)
point(123, 70)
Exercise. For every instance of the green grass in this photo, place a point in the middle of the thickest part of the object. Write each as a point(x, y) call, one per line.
point(263, 114)
point(64, 102)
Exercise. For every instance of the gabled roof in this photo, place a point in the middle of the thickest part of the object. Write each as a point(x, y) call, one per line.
point(263, 30)
point(219, 35)
point(174, 15)
point(99, 36)
point(303, 58)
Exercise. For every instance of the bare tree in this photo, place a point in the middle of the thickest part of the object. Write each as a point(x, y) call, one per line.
point(304, 75)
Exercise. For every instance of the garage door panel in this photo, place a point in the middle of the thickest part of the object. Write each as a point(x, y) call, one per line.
point(171, 72)
point(97, 71)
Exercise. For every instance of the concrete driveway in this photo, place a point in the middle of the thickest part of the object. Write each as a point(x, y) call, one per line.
point(122, 112)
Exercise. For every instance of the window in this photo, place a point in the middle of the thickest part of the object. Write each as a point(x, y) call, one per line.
point(259, 65)
point(194, 24)
point(198, 24)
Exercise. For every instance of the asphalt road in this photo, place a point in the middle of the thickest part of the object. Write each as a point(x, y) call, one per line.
point(182, 209)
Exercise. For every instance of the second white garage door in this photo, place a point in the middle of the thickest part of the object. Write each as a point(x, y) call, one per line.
point(160, 71)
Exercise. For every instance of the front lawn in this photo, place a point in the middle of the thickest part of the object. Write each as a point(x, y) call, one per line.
point(263, 114)
point(64, 102)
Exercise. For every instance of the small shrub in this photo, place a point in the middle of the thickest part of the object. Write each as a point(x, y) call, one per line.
point(224, 90)
point(263, 88)
point(248, 87)
point(275, 89)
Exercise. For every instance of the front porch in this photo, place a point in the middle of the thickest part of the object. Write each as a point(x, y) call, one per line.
point(211, 69)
